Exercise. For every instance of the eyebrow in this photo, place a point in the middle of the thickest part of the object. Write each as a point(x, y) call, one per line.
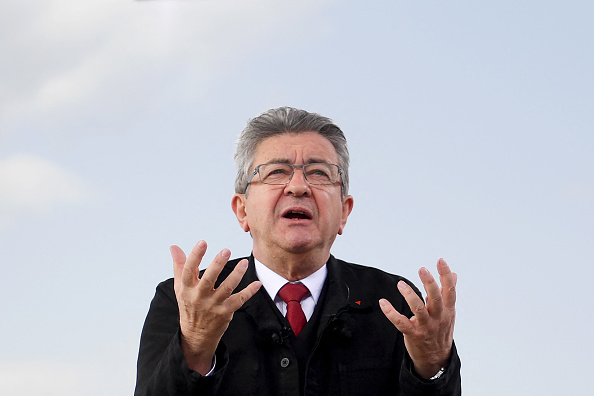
point(309, 161)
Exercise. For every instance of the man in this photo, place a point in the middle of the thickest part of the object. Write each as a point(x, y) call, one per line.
point(353, 330)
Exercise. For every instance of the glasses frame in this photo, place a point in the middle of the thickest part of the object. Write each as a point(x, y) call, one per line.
point(257, 171)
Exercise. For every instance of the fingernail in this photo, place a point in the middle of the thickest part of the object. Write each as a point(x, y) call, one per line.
point(226, 253)
point(401, 285)
point(383, 303)
point(423, 271)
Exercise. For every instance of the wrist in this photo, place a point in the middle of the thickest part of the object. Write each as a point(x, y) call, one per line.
point(197, 358)
point(429, 372)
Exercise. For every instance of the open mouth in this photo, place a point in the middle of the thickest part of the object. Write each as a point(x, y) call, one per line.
point(297, 215)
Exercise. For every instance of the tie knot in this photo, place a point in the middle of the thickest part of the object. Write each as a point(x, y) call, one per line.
point(293, 292)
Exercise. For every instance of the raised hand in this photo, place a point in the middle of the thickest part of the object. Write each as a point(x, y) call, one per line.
point(429, 334)
point(205, 312)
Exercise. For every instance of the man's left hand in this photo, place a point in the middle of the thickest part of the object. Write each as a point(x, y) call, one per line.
point(429, 334)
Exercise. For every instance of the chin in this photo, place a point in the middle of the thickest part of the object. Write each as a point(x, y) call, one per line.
point(300, 246)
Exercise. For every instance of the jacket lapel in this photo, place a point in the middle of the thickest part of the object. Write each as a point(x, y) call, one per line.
point(260, 307)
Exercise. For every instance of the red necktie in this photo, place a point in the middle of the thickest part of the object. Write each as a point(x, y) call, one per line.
point(292, 294)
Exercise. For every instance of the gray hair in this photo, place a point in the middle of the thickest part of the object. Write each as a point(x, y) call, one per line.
point(285, 120)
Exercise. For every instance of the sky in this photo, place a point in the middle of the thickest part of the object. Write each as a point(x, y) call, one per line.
point(471, 133)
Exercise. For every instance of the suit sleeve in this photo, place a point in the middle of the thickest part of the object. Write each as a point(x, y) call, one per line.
point(449, 384)
point(161, 367)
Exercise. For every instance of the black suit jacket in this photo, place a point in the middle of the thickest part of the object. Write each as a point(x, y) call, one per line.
point(348, 347)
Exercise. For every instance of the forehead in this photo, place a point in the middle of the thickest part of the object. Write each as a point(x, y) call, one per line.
point(306, 147)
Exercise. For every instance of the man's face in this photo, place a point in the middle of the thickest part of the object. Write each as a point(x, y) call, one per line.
point(297, 217)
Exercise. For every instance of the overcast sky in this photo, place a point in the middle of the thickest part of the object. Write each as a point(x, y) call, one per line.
point(471, 131)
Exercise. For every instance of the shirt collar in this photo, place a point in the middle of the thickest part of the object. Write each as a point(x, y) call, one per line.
point(272, 282)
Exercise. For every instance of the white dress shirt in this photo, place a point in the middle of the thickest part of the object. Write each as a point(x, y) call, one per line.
point(272, 283)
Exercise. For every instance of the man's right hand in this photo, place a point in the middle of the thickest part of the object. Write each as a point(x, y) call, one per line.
point(205, 312)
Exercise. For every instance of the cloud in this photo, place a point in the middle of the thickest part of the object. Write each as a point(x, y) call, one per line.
point(29, 183)
point(121, 57)
point(54, 377)
point(40, 378)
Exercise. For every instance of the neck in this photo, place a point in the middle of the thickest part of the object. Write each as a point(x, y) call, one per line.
point(292, 266)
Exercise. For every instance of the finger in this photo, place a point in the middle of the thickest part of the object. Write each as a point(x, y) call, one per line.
point(226, 288)
point(401, 322)
point(434, 300)
point(211, 274)
point(179, 259)
point(417, 306)
point(190, 269)
point(238, 299)
point(448, 283)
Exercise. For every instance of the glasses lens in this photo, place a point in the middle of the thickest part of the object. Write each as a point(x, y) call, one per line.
point(321, 173)
point(275, 173)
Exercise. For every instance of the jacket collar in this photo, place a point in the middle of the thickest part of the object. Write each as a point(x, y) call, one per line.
point(342, 294)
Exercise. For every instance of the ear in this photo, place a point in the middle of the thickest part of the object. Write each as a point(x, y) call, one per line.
point(347, 206)
point(238, 205)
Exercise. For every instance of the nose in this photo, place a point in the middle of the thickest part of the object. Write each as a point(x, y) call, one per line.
point(298, 186)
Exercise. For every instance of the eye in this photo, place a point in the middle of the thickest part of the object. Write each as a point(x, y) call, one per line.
point(319, 173)
point(275, 173)
point(278, 171)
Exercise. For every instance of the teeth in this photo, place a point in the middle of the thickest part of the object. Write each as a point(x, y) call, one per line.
point(292, 213)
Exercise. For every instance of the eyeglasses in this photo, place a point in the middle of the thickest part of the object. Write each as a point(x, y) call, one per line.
point(281, 174)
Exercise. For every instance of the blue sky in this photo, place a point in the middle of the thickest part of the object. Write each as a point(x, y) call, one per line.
point(471, 134)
